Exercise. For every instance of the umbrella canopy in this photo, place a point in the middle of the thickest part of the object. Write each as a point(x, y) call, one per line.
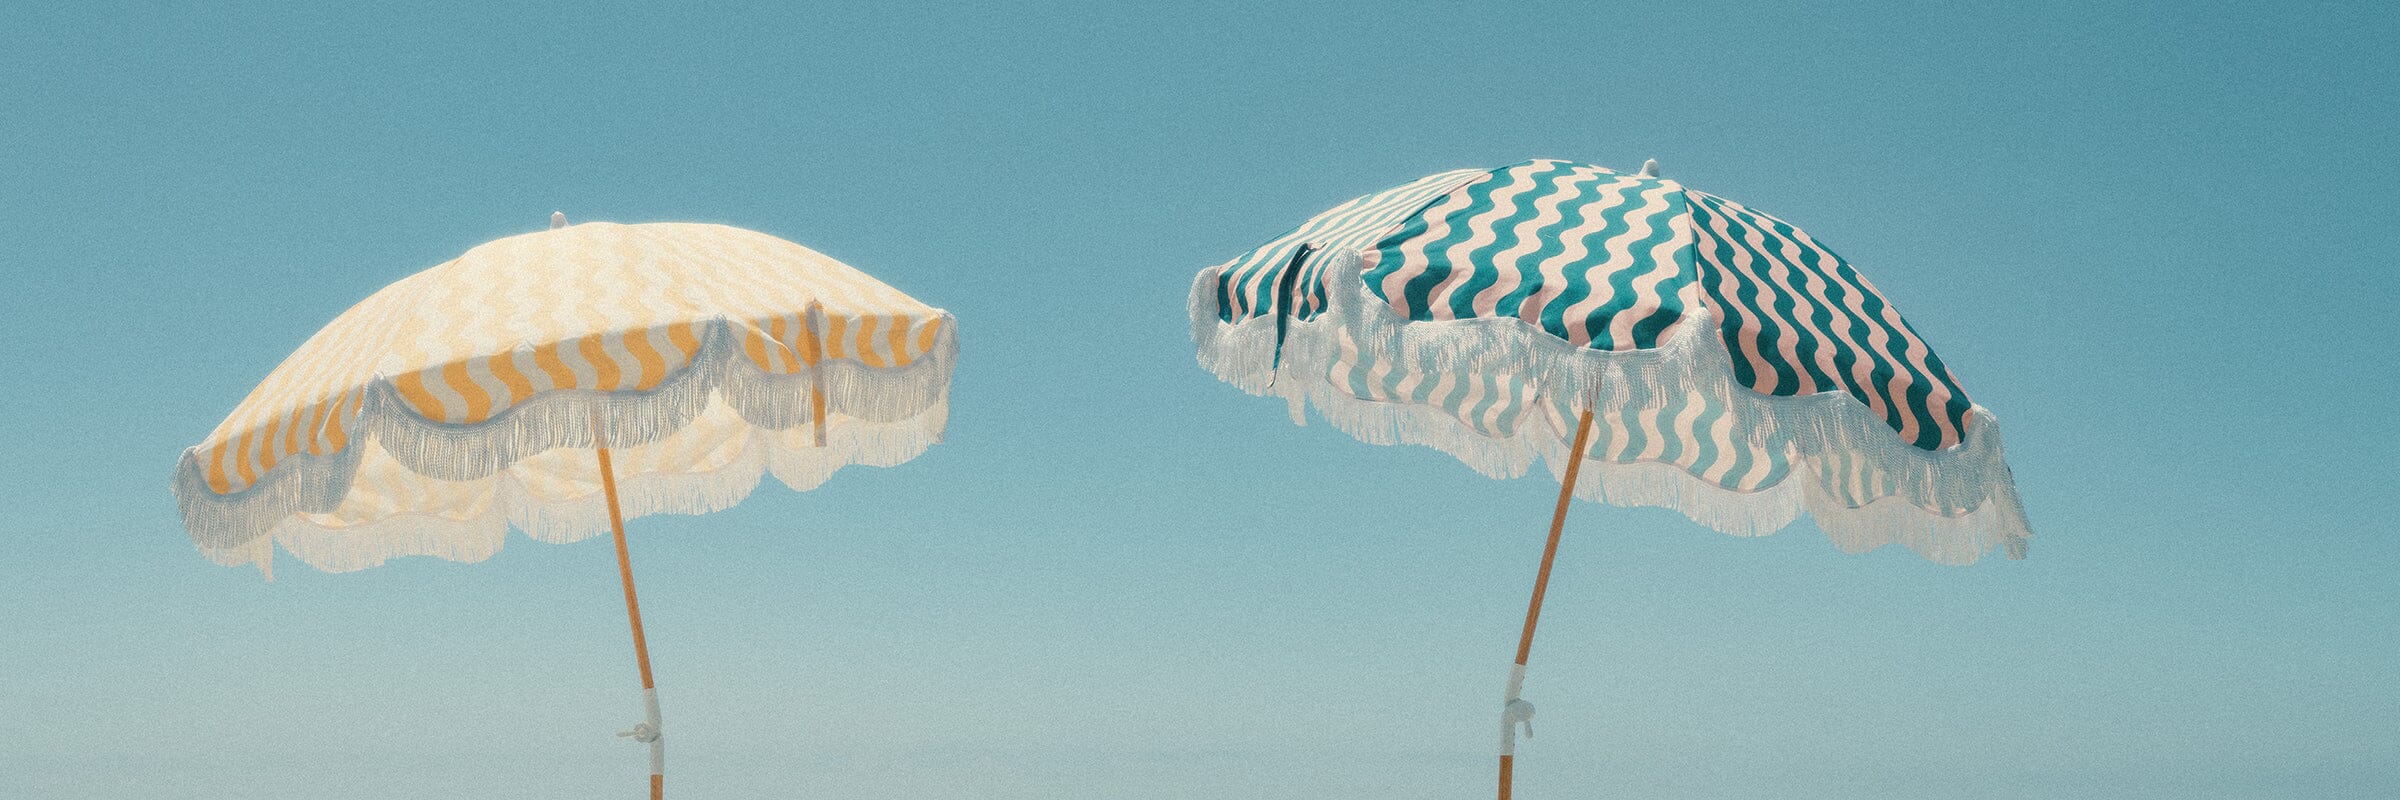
point(463, 399)
point(522, 382)
point(1737, 369)
point(1653, 344)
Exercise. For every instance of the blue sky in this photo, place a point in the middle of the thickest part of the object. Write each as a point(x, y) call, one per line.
point(2150, 238)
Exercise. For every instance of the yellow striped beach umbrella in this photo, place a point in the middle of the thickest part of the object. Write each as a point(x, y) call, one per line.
point(559, 382)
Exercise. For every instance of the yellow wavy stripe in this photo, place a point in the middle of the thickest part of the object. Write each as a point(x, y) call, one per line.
point(837, 333)
point(479, 402)
point(294, 423)
point(291, 431)
point(216, 469)
point(754, 345)
point(341, 428)
point(316, 426)
point(329, 416)
point(645, 354)
point(412, 390)
point(925, 337)
point(241, 459)
point(799, 339)
point(866, 342)
point(307, 371)
point(896, 342)
point(504, 367)
point(779, 330)
point(607, 375)
point(547, 358)
point(686, 340)
point(267, 444)
point(335, 437)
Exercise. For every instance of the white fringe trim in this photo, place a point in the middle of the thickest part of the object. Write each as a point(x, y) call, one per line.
point(1970, 480)
point(879, 417)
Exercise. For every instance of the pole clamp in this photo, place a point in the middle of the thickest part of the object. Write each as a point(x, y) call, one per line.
point(649, 732)
point(1515, 713)
point(642, 732)
point(1518, 712)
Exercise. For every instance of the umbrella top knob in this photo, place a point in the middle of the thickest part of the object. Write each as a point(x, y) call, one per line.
point(1649, 169)
point(558, 219)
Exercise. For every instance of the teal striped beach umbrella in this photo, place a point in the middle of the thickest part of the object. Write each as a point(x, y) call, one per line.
point(1652, 344)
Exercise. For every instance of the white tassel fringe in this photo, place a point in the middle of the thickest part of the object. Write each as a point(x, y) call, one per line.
point(879, 417)
point(1951, 506)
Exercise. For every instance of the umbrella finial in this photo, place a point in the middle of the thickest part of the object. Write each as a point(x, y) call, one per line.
point(1650, 168)
point(558, 219)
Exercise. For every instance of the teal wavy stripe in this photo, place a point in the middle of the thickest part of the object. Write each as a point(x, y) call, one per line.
point(1574, 190)
point(1735, 292)
point(1499, 226)
point(1610, 209)
point(1417, 293)
point(1676, 441)
point(1815, 312)
point(1502, 227)
point(1668, 292)
point(1637, 438)
point(1917, 390)
point(1839, 285)
point(1593, 243)
point(1641, 263)
point(1620, 437)
point(1705, 452)
point(1336, 228)
point(1245, 285)
point(1357, 230)
point(1782, 305)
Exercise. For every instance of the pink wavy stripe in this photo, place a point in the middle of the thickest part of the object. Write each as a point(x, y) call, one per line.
point(1938, 395)
point(1617, 256)
point(1646, 299)
point(1509, 274)
point(1482, 232)
point(1413, 259)
point(1762, 371)
point(1574, 248)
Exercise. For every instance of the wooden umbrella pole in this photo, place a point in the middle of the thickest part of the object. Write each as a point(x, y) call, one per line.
point(1514, 710)
point(648, 731)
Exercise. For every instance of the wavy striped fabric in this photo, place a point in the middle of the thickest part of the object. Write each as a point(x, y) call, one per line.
point(596, 306)
point(1590, 256)
point(1488, 402)
point(465, 399)
point(1248, 288)
point(1688, 427)
point(1799, 320)
point(1609, 262)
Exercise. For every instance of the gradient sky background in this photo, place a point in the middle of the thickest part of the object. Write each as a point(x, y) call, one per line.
point(2156, 241)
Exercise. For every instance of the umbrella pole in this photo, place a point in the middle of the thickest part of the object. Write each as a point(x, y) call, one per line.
point(647, 731)
point(1513, 710)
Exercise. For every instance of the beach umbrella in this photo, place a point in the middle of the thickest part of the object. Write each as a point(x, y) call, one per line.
point(1652, 344)
point(559, 382)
